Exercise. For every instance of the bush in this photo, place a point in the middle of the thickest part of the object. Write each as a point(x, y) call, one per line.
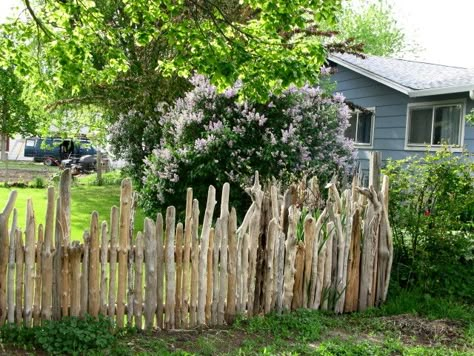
point(70, 335)
point(432, 214)
point(210, 138)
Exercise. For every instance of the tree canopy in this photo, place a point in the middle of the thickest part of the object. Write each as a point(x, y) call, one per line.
point(101, 51)
point(14, 113)
point(373, 24)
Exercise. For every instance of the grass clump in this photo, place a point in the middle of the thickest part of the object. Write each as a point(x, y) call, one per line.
point(301, 325)
point(113, 177)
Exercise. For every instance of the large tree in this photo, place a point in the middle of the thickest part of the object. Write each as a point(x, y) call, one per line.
point(373, 24)
point(95, 50)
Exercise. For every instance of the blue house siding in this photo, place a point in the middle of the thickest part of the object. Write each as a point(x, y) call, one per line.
point(390, 113)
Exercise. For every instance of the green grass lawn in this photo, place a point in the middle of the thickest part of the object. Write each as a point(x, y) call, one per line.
point(85, 199)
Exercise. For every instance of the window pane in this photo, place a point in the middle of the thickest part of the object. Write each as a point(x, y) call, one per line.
point(364, 130)
point(351, 130)
point(446, 125)
point(420, 126)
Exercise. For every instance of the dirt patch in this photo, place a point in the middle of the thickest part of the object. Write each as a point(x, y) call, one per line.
point(23, 175)
point(208, 341)
point(423, 331)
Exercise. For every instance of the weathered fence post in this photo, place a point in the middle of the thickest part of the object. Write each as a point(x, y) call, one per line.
point(11, 270)
point(210, 271)
point(194, 264)
point(47, 259)
point(103, 267)
point(160, 261)
point(125, 206)
point(85, 275)
point(65, 224)
point(138, 295)
point(206, 228)
point(114, 231)
point(170, 268)
point(37, 297)
point(4, 243)
point(150, 273)
point(20, 256)
point(290, 257)
point(75, 252)
point(254, 231)
point(187, 256)
point(231, 284)
point(30, 235)
point(179, 274)
point(94, 254)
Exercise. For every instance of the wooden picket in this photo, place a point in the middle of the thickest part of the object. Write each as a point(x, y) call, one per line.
point(169, 277)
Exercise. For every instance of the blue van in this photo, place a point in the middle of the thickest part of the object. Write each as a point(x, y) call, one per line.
point(52, 150)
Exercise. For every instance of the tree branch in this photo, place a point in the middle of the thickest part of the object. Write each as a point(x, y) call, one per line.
point(38, 22)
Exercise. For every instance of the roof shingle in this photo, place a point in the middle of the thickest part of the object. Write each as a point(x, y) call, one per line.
point(410, 74)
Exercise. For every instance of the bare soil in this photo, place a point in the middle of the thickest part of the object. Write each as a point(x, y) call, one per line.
point(22, 175)
point(417, 330)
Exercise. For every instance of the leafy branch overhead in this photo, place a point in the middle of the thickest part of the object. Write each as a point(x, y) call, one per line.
point(92, 51)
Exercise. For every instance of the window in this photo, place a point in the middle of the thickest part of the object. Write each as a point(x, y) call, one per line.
point(434, 125)
point(361, 127)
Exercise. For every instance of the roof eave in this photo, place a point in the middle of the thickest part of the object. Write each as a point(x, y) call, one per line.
point(440, 91)
point(371, 75)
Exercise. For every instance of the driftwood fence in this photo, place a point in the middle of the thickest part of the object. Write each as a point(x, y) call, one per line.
point(285, 255)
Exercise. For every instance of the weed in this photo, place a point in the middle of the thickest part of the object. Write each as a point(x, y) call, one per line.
point(38, 183)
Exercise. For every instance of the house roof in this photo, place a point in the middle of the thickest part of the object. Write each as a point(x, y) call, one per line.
point(409, 77)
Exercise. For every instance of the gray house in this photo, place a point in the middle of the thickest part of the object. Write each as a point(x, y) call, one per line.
point(400, 107)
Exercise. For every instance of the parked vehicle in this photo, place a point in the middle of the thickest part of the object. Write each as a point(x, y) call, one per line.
point(82, 165)
point(52, 151)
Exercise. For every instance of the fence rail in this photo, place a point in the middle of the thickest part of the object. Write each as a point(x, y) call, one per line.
point(286, 254)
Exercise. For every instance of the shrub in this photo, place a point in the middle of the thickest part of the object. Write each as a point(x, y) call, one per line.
point(211, 138)
point(432, 214)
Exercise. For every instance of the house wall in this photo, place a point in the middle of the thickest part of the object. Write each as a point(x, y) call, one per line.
point(390, 113)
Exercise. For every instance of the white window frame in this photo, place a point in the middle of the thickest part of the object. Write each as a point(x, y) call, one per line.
point(433, 105)
point(372, 129)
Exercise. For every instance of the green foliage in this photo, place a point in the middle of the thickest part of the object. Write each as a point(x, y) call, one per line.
point(432, 214)
point(70, 335)
point(470, 117)
point(85, 49)
point(14, 113)
point(373, 24)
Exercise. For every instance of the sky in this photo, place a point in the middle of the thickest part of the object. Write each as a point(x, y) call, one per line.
point(443, 30)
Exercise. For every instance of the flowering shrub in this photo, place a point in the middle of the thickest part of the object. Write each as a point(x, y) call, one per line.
point(211, 138)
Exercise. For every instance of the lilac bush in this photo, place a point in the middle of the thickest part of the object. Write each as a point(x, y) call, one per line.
point(211, 138)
